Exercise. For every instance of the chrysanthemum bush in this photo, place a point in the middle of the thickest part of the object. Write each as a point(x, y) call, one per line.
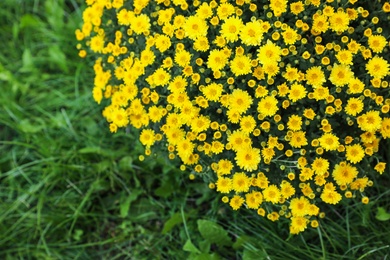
point(281, 104)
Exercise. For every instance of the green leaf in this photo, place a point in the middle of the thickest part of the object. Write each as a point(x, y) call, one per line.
point(204, 246)
point(213, 232)
point(251, 255)
point(91, 150)
point(206, 256)
point(29, 20)
point(126, 201)
point(173, 221)
point(382, 215)
point(28, 127)
point(165, 190)
point(28, 61)
point(241, 241)
point(58, 58)
point(190, 247)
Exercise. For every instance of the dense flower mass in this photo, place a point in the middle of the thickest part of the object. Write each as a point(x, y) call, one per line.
point(280, 104)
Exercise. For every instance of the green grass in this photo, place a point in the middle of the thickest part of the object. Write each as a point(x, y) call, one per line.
point(69, 189)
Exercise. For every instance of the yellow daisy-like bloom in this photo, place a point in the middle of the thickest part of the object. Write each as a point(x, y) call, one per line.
point(278, 6)
point(231, 28)
point(298, 224)
point(286, 189)
point(224, 185)
point(241, 182)
point(299, 206)
point(163, 43)
point(213, 91)
point(345, 57)
point(354, 153)
point(356, 86)
point(320, 23)
point(297, 7)
point(294, 123)
point(200, 124)
point(377, 43)
point(224, 167)
point(377, 67)
point(315, 76)
point(380, 167)
point(269, 53)
point(217, 60)
point(241, 65)
point(271, 194)
point(290, 36)
point(339, 21)
point(297, 92)
point(253, 199)
point(238, 140)
point(268, 106)
point(329, 142)
point(248, 158)
point(182, 58)
point(236, 202)
point(320, 166)
point(119, 117)
point(140, 24)
point(370, 121)
point(321, 93)
point(240, 100)
point(224, 10)
point(354, 106)
point(195, 27)
point(330, 197)
point(147, 137)
point(385, 128)
point(340, 75)
point(298, 139)
point(291, 74)
point(344, 173)
point(201, 44)
point(251, 34)
point(247, 124)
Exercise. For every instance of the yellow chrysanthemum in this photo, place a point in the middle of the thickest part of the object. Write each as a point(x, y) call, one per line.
point(315, 76)
point(377, 67)
point(195, 27)
point(354, 106)
point(248, 158)
point(271, 194)
point(339, 21)
point(344, 173)
point(241, 65)
point(224, 185)
point(377, 43)
point(231, 28)
point(329, 142)
point(268, 106)
point(251, 34)
point(340, 75)
point(370, 121)
point(241, 182)
point(354, 153)
point(269, 53)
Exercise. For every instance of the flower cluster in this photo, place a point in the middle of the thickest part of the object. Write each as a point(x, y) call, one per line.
point(281, 103)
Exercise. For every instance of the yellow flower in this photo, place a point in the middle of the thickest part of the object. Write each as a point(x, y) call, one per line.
point(290, 36)
point(271, 194)
point(315, 76)
point(248, 158)
point(224, 185)
point(320, 166)
point(268, 106)
point(329, 142)
point(240, 100)
point(241, 65)
point(286, 189)
point(344, 57)
point(224, 167)
point(278, 6)
point(140, 24)
point(183, 58)
point(298, 139)
point(330, 197)
point(119, 117)
point(238, 139)
point(195, 27)
point(355, 86)
point(147, 137)
point(339, 21)
point(251, 34)
point(236, 202)
point(162, 43)
point(370, 121)
point(297, 7)
point(385, 128)
point(294, 123)
point(377, 43)
point(340, 75)
point(201, 44)
point(231, 28)
point(217, 60)
point(380, 167)
point(344, 173)
point(297, 92)
point(299, 206)
point(213, 91)
point(298, 224)
point(354, 153)
point(253, 199)
point(241, 182)
point(269, 53)
point(354, 106)
point(247, 124)
point(224, 10)
point(377, 67)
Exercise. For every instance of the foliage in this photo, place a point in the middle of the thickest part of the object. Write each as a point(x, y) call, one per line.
point(69, 189)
